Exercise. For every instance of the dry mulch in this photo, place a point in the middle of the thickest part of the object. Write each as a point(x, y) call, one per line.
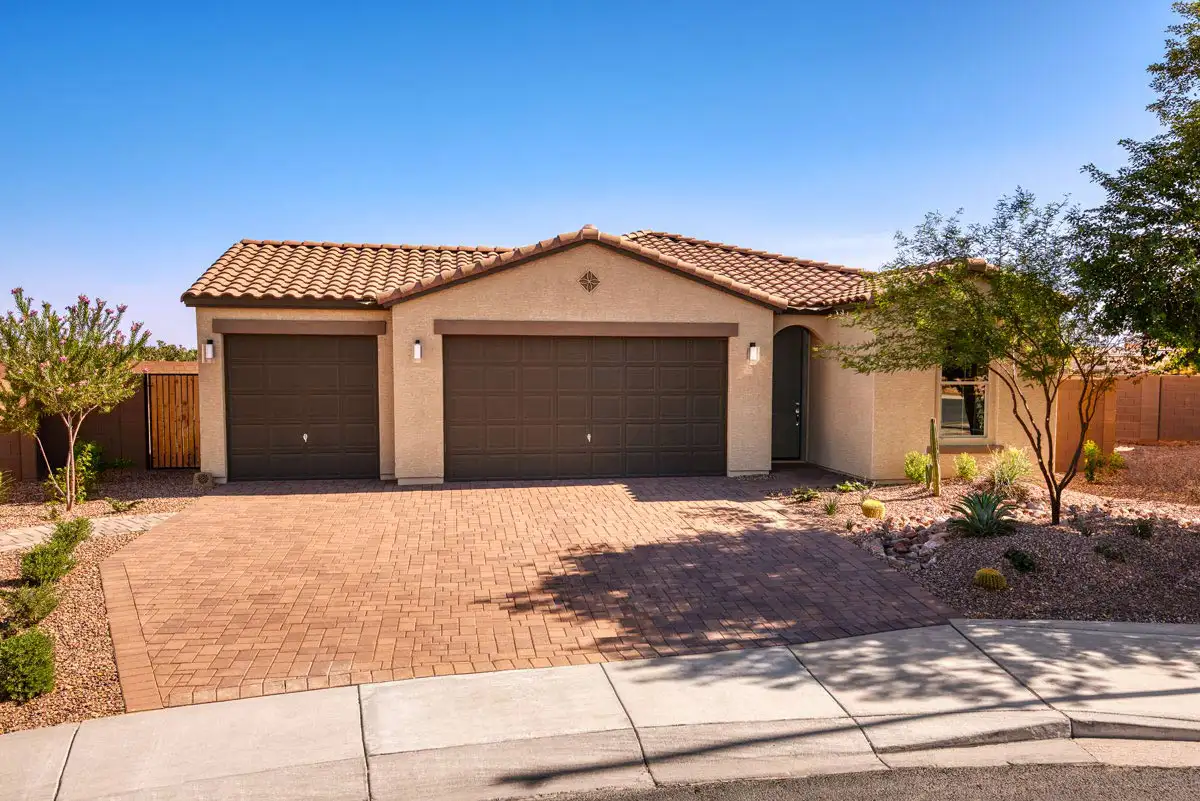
point(86, 671)
point(1161, 472)
point(158, 491)
point(1158, 581)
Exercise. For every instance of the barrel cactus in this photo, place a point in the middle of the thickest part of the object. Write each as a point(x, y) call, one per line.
point(873, 508)
point(990, 579)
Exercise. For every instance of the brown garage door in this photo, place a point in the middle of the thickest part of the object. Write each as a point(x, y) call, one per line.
point(578, 407)
point(301, 406)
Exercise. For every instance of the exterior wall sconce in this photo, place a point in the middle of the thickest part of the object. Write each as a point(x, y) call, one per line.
point(754, 353)
point(209, 350)
point(417, 351)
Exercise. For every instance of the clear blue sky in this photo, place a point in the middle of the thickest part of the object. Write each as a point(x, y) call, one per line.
point(137, 143)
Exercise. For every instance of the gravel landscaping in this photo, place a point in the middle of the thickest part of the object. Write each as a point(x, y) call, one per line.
point(1165, 472)
point(1130, 578)
point(157, 491)
point(86, 675)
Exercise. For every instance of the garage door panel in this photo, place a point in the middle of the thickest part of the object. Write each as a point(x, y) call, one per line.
point(608, 407)
point(357, 377)
point(501, 408)
point(607, 435)
point(500, 378)
point(572, 407)
point(537, 407)
point(280, 388)
point(651, 407)
point(501, 438)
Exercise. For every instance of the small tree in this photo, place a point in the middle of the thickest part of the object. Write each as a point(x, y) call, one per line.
point(66, 366)
point(1002, 294)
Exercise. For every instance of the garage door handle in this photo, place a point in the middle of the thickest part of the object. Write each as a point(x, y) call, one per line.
point(305, 438)
point(589, 436)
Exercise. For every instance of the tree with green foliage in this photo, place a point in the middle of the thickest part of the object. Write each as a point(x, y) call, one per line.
point(1143, 244)
point(65, 365)
point(1001, 293)
point(166, 352)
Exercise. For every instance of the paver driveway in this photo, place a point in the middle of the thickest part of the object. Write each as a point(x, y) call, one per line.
point(264, 588)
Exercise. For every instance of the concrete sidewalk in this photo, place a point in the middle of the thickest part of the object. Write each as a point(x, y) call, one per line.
point(975, 693)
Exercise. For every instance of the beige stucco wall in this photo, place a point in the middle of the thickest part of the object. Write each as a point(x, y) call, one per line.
point(212, 380)
point(862, 425)
point(841, 403)
point(548, 289)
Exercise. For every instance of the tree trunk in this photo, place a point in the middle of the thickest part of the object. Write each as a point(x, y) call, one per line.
point(1055, 505)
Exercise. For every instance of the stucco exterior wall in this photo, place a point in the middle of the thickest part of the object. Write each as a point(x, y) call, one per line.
point(212, 380)
point(548, 289)
point(841, 403)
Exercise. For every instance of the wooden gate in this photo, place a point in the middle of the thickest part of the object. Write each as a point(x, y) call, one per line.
point(173, 420)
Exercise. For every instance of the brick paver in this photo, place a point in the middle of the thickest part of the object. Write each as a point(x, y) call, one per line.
point(266, 588)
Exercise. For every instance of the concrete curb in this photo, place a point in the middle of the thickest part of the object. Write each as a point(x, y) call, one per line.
point(930, 697)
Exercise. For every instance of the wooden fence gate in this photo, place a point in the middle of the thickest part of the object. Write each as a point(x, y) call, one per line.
point(173, 420)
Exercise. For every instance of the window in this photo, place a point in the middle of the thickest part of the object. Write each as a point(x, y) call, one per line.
point(963, 401)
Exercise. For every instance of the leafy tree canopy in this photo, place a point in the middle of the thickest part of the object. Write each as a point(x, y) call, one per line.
point(1001, 293)
point(166, 352)
point(1143, 244)
point(65, 365)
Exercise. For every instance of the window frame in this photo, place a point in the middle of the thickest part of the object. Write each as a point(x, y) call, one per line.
point(984, 381)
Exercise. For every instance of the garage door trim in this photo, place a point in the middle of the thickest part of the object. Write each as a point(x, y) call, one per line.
point(583, 328)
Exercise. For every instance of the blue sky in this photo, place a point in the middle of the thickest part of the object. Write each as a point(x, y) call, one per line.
point(138, 144)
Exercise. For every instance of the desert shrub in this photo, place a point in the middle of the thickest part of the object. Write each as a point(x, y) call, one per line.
point(1116, 461)
point(1110, 552)
point(1143, 529)
point(1008, 468)
point(87, 471)
point(120, 507)
point(982, 514)
point(1022, 561)
point(26, 666)
point(989, 579)
point(965, 467)
point(915, 465)
point(29, 605)
point(851, 486)
point(830, 506)
point(69, 533)
point(1093, 459)
point(46, 563)
point(804, 494)
point(873, 508)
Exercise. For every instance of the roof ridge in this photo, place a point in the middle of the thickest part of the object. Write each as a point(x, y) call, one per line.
point(766, 254)
point(375, 246)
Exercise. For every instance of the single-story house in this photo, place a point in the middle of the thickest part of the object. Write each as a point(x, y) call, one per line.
point(585, 355)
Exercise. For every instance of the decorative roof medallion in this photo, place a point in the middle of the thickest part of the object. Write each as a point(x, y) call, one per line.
point(589, 282)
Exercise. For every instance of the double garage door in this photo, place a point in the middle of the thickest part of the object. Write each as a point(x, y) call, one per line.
point(536, 407)
point(579, 407)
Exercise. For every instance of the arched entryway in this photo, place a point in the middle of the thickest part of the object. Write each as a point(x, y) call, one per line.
point(789, 387)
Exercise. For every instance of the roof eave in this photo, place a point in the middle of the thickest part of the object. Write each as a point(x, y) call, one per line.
point(243, 301)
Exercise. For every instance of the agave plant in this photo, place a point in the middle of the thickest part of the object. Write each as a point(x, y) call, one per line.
point(982, 514)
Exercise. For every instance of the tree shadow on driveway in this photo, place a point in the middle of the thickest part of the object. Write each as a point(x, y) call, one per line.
point(722, 590)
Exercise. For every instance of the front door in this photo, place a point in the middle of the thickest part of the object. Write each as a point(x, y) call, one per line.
point(787, 395)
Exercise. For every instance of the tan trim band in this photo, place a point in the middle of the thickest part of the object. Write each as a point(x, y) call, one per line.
point(344, 328)
point(579, 328)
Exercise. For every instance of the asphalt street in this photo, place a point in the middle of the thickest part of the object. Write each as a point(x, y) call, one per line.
point(1025, 783)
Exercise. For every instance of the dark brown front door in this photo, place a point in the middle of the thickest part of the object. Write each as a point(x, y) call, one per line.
point(301, 406)
point(579, 407)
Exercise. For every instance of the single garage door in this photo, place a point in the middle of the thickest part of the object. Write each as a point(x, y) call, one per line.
point(580, 407)
point(301, 406)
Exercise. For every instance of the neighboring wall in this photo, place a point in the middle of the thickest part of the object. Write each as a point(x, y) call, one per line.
point(548, 289)
point(1158, 408)
point(1102, 430)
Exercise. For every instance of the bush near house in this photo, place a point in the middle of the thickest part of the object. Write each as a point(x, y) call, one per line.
point(29, 605)
point(916, 464)
point(46, 563)
point(965, 467)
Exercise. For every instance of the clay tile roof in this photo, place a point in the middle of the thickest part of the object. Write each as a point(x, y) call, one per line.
point(273, 271)
point(805, 284)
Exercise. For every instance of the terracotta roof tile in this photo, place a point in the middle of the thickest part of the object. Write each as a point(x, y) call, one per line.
point(271, 270)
